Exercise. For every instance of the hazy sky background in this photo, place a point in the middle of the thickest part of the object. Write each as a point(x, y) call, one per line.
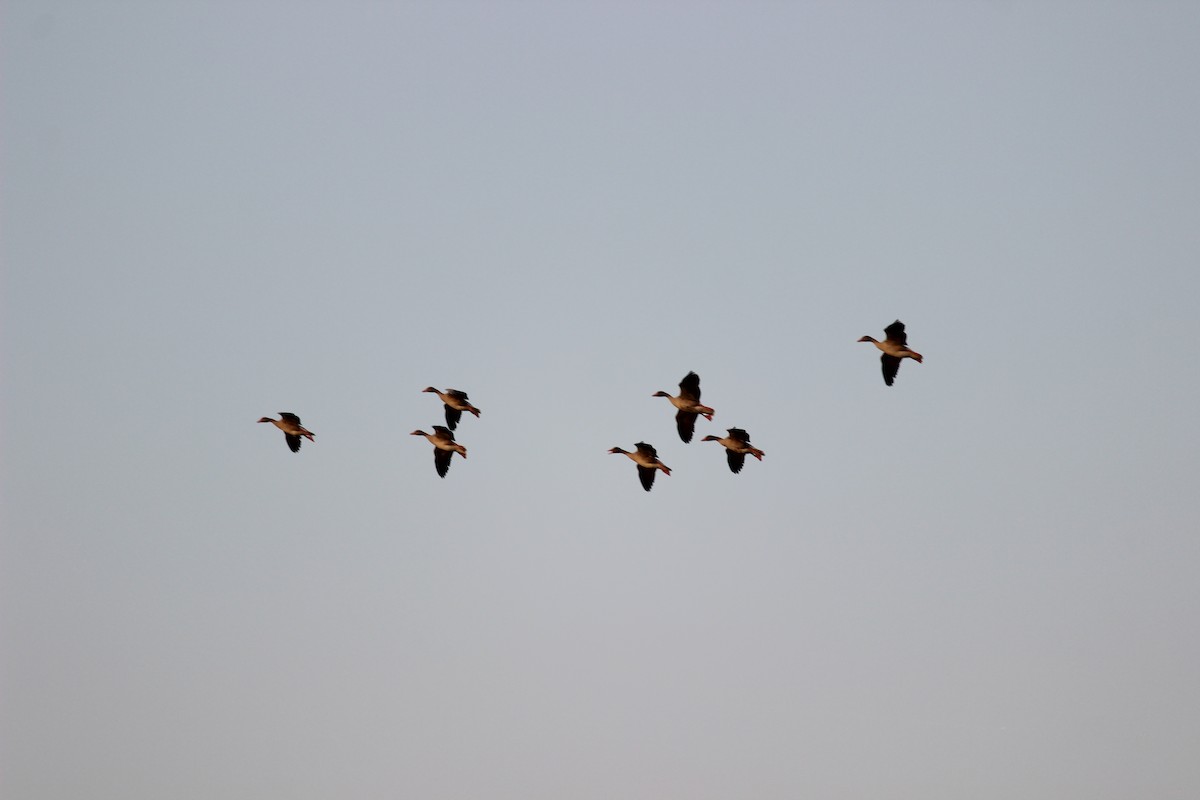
point(980, 583)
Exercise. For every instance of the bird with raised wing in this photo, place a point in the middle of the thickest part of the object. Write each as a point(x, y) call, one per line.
point(289, 423)
point(646, 458)
point(737, 447)
point(894, 347)
point(689, 405)
point(444, 447)
point(456, 402)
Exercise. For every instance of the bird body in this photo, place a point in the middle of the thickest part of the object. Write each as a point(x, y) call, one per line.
point(455, 402)
point(444, 447)
point(894, 348)
point(293, 431)
point(689, 405)
point(737, 447)
point(646, 458)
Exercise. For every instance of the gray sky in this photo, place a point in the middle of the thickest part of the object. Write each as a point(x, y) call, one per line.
point(980, 583)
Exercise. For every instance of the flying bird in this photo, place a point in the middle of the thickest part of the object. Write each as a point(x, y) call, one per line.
point(444, 447)
point(737, 447)
point(646, 458)
point(894, 347)
point(292, 429)
point(456, 402)
point(688, 403)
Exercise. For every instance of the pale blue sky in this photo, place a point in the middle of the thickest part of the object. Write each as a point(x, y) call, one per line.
point(980, 583)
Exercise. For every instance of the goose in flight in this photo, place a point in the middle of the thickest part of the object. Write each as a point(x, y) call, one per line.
point(646, 458)
point(444, 447)
point(689, 405)
point(737, 447)
point(292, 429)
point(456, 402)
point(894, 347)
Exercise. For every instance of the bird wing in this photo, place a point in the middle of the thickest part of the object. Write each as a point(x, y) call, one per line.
point(740, 435)
point(689, 387)
point(891, 365)
point(685, 421)
point(457, 394)
point(288, 416)
point(443, 432)
point(293, 442)
point(453, 415)
point(646, 449)
point(895, 333)
point(441, 461)
point(736, 460)
point(647, 476)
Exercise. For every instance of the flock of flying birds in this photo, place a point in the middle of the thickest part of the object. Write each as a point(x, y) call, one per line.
point(737, 444)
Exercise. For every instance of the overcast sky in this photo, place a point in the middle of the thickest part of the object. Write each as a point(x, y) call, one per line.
point(978, 583)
